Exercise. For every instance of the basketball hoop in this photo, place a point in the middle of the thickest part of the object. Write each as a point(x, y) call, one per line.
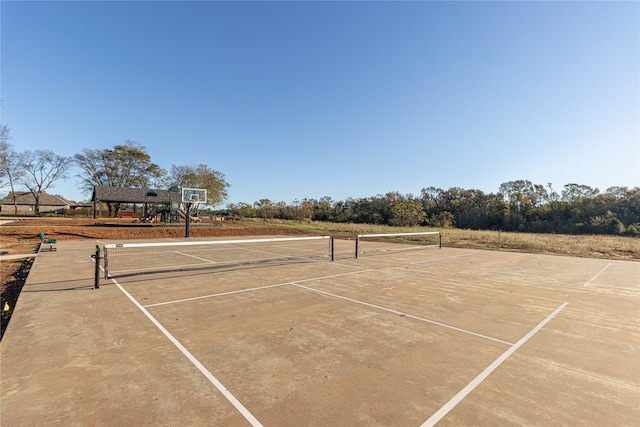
point(191, 198)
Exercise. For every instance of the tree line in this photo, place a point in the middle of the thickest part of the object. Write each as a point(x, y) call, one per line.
point(126, 165)
point(518, 206)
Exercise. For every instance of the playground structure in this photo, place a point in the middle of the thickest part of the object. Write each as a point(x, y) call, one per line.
point(151, 206)
point(155, 210)
point(166, 211)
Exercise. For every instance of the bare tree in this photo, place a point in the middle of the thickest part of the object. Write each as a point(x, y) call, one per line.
point(42, 168)
point(10, 170)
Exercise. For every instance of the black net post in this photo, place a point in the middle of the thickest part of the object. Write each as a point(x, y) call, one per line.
point(96, 257)
point(357, 244)
point(331, 247)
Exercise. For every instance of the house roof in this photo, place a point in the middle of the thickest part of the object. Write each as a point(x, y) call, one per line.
point(132, 195)
point(27, 198)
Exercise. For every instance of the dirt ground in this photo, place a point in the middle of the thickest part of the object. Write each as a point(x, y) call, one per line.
point(21, 237)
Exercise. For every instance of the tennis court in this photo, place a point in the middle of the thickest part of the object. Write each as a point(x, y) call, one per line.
point(436, 336)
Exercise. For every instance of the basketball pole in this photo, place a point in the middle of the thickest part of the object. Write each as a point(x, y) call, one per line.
point(187, 220)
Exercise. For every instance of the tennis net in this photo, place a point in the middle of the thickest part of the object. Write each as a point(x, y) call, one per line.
point(392, 242)
point(123, 259)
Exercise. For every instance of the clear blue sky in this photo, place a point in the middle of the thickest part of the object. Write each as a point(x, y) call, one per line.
point(294, 100)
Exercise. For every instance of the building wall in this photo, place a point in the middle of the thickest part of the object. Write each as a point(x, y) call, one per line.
point(30, 209)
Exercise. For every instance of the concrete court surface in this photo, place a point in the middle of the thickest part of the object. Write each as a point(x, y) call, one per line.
point(447, 337)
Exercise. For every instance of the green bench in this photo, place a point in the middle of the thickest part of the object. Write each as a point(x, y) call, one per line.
point(49, 242)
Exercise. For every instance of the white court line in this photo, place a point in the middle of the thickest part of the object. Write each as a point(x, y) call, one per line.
point(208, 261)
point(214, 295)
point(447, 407)
point(225, 392)
point(249, 289)
point(297, 283)
point(446, 257)
point(390, 310)
point(466, 285)
point(392, 261)
point(596, 276)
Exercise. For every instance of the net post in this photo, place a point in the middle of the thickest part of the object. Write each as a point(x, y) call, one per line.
point(106, 264)
point(331, 247)
point(357, 244)
point(96, 279)
point(439, 240)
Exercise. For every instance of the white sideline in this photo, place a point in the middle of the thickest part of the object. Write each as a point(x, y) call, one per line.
point(390, 310)
point(596, 276)
point(248, 289)
point(226, 393)
point(447, 407)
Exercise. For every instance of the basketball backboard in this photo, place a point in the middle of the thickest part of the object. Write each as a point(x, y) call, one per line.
point(194, 195)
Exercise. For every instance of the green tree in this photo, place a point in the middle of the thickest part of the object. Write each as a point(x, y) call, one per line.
point(407, 214)
point(442, 220)
point(242, 210)
point(574, 193)
point(126, 165)
point(627, 204)
point(301, 211)
point(201, 176)
point(266, 209)
point(343, 210)
point(322, 208)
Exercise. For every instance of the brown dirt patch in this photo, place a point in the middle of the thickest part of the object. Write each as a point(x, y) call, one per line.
point(19, 237)
point(14, 275)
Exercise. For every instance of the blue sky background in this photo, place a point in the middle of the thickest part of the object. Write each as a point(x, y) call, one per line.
point(294, 100)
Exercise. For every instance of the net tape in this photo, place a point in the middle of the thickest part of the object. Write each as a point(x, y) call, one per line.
point(392, 242)
point(122, 259)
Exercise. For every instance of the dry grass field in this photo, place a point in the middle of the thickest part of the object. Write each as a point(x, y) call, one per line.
point(591, 246)
point(20, 237)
